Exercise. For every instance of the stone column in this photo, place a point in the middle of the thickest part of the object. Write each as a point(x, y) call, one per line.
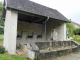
point(7, 29)
point(11, 31)
point(62, 32)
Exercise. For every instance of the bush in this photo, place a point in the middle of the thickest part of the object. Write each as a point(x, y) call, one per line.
point(2, 49)
point(70, 27)
point(76, 31)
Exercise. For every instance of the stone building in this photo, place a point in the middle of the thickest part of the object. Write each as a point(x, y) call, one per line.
point(27, 21)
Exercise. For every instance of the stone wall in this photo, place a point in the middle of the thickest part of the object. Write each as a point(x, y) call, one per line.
point(37, 29)
point(50, 54)
point(61, 29)
point(54, 44)
point(27, 29)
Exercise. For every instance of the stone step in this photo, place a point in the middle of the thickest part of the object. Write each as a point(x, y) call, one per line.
point(21, 53)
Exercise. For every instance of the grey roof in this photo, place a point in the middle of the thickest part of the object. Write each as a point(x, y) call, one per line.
point(75, 23)
point(35, 8)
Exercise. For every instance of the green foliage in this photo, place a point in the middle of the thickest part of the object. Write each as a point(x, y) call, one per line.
point(76, 31)
point(70, 27)
point(1, 31)
point(76, 38)
point(1, 22)
point(1, 28)
point(60, 54)
point(1, 42)
point(2, 49)
point(1, 6)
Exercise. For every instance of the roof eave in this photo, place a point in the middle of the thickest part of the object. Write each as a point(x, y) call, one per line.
point(18, 9)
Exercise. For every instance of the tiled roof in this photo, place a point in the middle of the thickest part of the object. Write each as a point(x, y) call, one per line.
point(36, 8)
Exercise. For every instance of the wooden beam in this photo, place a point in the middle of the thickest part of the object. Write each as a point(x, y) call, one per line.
point(30, 14)
point(38, 20)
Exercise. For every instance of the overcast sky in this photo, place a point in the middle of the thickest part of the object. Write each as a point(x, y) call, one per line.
point(69, 8)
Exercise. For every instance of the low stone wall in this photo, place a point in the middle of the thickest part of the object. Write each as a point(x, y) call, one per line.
point(37, 46)
point(52, 54)
point(79, 47)
point(53, 44)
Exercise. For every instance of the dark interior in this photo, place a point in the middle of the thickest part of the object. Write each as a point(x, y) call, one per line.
point(31, 18)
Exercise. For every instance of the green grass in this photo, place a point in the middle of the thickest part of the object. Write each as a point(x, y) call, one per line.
point(1, 36)
point(78, 42)
point(6, 56)
point(1, 42)
point(75, 38)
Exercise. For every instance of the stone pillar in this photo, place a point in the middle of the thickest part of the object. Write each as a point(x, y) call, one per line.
point(7, 29)
point(62, 32)
point(11, 31)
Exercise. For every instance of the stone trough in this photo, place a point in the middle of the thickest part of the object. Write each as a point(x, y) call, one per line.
point(50, 49)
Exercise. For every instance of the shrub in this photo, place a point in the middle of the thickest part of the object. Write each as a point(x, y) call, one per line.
point(2, 49)
point(76, 31)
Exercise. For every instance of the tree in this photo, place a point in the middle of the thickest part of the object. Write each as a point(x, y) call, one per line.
point(76, 31)
point(1, 22)
point(1, 6)
point(70, 27)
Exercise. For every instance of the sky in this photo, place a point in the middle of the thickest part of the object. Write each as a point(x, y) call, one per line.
point(69, 8)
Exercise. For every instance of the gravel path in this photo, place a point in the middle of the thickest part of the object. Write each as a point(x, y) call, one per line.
point(72, 56)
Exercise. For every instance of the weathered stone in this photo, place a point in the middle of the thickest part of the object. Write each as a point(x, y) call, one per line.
point(79, 47)
point(34, 46)
point(75, 49)
point(59, 44)
point(43, 45)
point(64, 43)
point(47, 54)
point(53, 44)
point(66, 48)
point(68, 43)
